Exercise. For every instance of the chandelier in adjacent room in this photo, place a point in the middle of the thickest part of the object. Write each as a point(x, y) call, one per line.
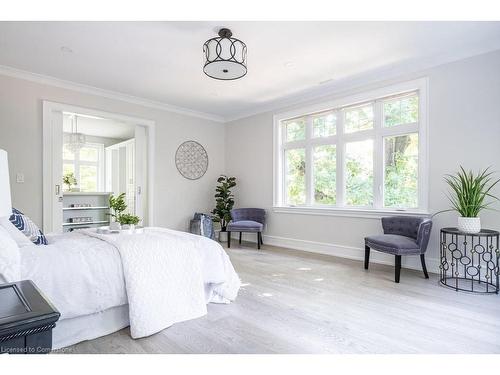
point(74, 140)
point(225, 57)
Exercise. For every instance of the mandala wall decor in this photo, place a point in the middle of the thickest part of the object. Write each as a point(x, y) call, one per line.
point(191, 160)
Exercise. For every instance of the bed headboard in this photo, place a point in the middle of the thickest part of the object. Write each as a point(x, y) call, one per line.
point(5, 202)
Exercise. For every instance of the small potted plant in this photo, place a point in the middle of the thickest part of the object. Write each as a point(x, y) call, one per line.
point(469, 195)
point(116, 205)
point(69, 180)
point(128, 221)
point(224, 200)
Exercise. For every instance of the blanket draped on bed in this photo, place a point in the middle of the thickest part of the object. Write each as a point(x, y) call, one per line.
point(164, 277)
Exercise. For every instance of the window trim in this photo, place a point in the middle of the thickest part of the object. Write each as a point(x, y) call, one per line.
point(420, 85)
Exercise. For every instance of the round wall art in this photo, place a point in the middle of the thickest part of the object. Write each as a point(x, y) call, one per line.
point(191, 160)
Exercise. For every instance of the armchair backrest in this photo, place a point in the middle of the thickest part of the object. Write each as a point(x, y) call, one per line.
point(418, 228)
point(254, 214)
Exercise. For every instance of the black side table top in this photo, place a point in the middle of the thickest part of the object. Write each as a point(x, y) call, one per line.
point(24, 310)
point(483, 232)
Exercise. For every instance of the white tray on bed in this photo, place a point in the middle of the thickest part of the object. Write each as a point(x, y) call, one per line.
point(106, 230)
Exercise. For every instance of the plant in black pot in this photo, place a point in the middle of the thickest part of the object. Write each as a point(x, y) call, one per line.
point(224, 200)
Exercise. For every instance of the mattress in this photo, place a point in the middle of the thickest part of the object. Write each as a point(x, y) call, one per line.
point(88, 327)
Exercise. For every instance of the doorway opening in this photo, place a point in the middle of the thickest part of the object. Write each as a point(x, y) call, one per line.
point(90, 155)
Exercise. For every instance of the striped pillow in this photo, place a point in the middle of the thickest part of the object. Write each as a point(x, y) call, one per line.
point(27, 227)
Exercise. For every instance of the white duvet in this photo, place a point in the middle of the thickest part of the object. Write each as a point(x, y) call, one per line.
point(165, 276)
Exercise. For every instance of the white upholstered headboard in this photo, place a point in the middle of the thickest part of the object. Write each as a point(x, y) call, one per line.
point(5, 202)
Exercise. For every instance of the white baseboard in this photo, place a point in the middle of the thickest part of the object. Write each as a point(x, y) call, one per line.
point(349, 252)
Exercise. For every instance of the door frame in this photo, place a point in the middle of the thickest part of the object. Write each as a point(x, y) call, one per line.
point(49, 108)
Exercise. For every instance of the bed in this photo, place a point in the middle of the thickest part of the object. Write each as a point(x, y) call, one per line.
point(103, 283)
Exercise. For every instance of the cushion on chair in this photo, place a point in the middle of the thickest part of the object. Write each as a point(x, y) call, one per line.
point(393, 244)
point(245, 226)
point(402, 225)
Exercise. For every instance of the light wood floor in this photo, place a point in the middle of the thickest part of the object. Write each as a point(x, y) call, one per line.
point(296, 302)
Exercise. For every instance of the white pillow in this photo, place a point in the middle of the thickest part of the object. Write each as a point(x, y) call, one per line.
point(10, 258)
point(15, 233)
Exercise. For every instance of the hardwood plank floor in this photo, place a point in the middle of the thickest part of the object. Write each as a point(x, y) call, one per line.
point(297, 302)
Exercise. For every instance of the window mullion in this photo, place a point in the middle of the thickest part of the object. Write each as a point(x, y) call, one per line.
point(309, 163)
point(340, 147)
point(378, 157)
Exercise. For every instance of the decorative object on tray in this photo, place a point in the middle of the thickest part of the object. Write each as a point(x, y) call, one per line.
point(121, 220)
point(117, 205)
point(69, 180)
point(26, 319)
point(128, 221)
point(224, 202)
point(469, 195)
point(470, 261)
point(191, 160)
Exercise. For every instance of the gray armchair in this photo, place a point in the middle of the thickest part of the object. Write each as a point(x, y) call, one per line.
point(247, 220)
point(403, 235)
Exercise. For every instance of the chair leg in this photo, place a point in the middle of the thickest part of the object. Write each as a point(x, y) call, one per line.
point(240, 238)
point(261, 240)
point(424, 268)
point(228, 239)
point(397, 268)
point(258, 240)
point(367, 256)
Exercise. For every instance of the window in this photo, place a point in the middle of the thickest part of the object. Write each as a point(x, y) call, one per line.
point(87, 166)
point(362, 153)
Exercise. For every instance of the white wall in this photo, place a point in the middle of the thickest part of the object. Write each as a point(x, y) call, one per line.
point(176, 198)
point(464, 128)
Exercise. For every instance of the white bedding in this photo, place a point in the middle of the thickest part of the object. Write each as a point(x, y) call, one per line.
point(82, 275)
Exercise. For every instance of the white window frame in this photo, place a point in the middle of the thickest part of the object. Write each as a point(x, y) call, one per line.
point(340, 139)
point(100, 164)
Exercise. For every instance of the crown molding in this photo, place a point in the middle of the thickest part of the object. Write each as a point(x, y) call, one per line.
point(74, 86)
point(323, 92)
point(391, 72)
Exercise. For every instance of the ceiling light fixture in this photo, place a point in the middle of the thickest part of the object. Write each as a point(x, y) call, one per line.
point(75, 141)
point(225, 57)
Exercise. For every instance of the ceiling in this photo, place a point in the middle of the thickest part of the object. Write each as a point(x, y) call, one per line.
point(162, 61)
point(100, 127)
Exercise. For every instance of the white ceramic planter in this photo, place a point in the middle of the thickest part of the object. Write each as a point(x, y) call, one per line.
point(222, 236)
point(469, 224)
point(114, 225)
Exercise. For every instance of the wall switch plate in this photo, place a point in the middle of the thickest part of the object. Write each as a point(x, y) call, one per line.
point(20, 178)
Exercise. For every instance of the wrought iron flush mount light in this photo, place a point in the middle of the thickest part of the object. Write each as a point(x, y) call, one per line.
point(225, 57)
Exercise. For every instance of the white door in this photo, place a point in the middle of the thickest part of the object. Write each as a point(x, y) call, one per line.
point(52, 171)
point(141, 173)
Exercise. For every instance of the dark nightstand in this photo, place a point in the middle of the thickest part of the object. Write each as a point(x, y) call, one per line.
point(26, 319)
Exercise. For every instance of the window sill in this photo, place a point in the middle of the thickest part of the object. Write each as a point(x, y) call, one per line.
point(347, 212)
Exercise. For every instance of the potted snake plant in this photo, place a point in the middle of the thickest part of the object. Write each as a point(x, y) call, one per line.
point(470, 194)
